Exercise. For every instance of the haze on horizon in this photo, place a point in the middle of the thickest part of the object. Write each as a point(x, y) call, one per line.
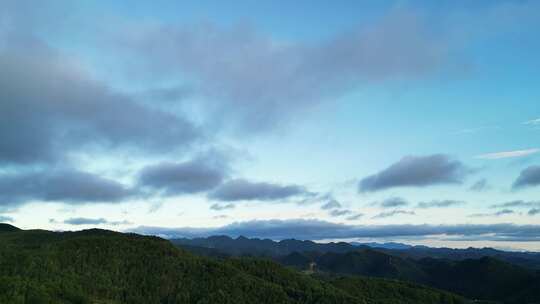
point(409, 121)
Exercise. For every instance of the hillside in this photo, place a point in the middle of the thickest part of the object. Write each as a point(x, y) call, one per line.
point(485, 278)
point(7, 228)
point(98, 266)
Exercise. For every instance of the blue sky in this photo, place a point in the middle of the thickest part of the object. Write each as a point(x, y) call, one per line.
point(247, 117)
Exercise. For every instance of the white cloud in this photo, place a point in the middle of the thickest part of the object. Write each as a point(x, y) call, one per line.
point(533, 122)
point(508, 154)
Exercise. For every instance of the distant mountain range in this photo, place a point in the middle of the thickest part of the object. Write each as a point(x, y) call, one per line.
point(487, 274)
point(242, 246)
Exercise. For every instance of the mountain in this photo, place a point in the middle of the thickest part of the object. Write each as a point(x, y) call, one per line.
point(389, 245)
point(485, 278)
point(99, 266)
point(486, 274)
point(524, 259)
point(243, 246)
point(8, 228)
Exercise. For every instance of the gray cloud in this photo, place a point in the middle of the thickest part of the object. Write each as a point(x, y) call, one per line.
point(241, 189)
point(66, 185)
point(297, 76)
point(317, 230)
point(497, 213)
point(529, 177)
point(534, 211)
point(417, 171)
point(480, 185)
point(439, 204)
point(518, 204)
point(51, 106)
point(339, 212)
point(6, 219)
point(92, 221)
point(355, 216)
point(85, 221)
point(197, 175)
point(331, 204)
point(392, 202)
point(219, 207)
point(392, 213)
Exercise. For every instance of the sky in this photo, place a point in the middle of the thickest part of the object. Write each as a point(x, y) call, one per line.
point(325, 120)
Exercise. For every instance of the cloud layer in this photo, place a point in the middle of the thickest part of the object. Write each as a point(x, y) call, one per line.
point(392, 202)
point(509, 154)
point(51, 106)
point(529, 177)
point(416, 171)
point(244, 190)
point(197, 175)
point(392, 213)
point(66, 185)
point(297, 75)
point(439, 204)
point(318, 230)
point(92, 221)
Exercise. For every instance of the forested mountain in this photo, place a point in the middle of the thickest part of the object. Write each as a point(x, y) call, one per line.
point(485, 278)
point(463, 271)
point(265, 247)
point(99, 266)
point(262, 247)
point(524, 259)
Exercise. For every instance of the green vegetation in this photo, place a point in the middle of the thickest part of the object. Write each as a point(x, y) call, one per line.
point(394, 292)
point(98, 266)
point(481, 274)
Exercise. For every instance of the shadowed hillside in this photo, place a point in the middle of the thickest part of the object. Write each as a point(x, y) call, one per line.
point(480, 277)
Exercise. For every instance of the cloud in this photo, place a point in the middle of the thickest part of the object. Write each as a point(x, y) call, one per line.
point(480, 185)
point(61, 185)
point(219, 207)
point(417, 171)
point(504, 212)
point(339, 212)
point(528, 178)
point(355, 217)
point(392, 202)
point(439, 204)
point(332, 204)
point(92, 221)
point(517, 204)
point(197, 175)
point(297, 75)
point(244, 190)
point(317, 230)
point(534, 211)
point(533, 122)
point(6, 219)
point(52, 107)
point(85, 221)
point(497, 213)
point(392, 213)
point(508, 154)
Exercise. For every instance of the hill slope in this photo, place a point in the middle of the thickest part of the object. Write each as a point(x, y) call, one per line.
point(98, 266)
point(7, 228)
point(485, 278)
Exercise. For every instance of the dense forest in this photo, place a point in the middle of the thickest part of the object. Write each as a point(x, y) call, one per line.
point(99, 266)
point(482, 274)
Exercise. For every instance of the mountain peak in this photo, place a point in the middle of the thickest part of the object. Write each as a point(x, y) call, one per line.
point(8, 228)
